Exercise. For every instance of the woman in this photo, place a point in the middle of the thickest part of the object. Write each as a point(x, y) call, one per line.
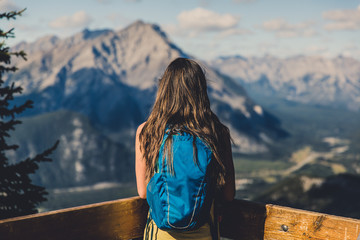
point(182, 103)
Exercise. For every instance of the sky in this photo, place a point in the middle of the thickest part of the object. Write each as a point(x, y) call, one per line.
point(206, 29)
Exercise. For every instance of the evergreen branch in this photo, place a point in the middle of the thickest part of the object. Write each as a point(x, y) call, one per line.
point(31, 165)
point(7, 126)
point(7, 34)
point(5, 147)
point(4, 69)
point(14, 89)
point(25, 167)
point(5, 55)
point(21, 54)
point(12, 14)
point(3, 102)
point(9, 91)
point(43, 157)
point(4, 112)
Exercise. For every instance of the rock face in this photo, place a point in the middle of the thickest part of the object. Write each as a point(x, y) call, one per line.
point(313, 80)
point(111, 77)
point(83, 157)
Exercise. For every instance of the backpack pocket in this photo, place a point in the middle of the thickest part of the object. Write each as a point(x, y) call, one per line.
point(156, 197)
point(172, 205)
point(184, 205)
point(180, 200)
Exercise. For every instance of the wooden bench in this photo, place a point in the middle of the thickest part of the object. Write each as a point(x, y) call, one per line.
point(125, 219)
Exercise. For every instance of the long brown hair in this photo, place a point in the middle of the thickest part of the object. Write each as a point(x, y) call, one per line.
point(182, 103)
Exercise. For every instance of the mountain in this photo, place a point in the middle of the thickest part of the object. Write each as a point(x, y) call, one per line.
point(84, 155)
point(106, 80)
point(111, 77)
point(306, 79)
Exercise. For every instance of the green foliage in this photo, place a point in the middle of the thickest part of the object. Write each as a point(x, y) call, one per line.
point(18, 196)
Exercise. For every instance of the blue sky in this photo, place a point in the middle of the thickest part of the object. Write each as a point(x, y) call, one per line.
point(207, 28)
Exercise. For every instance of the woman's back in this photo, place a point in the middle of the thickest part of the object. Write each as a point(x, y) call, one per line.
point(182, 107)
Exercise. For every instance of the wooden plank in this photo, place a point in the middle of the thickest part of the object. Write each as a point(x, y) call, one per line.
point(120, 219)
point(125, 219)
point(243, 220)
point(288, 223)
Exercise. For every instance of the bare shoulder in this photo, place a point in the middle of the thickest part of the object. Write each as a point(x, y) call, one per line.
point(140, 127)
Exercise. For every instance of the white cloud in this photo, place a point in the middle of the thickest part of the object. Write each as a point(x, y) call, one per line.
point(352, 47)
point(234, 32)
point(348, 19)
point(351, 50)
point(8, 5)
point(195, 22)
point(316, 49)
point(116, 18)
point(79, 19)
point(284, 29)
point(342, 26)
point(282, 25)
point(200, 19)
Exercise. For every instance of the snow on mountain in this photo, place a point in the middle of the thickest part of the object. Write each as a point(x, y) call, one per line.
point(111, 77)
point(41, 45)
point(314, 80)
point(132, 56)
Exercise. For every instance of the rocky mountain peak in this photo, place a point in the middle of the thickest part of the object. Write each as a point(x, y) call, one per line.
point(40, 45)
point(91, 34)
point(306, 79)
point(111, 77)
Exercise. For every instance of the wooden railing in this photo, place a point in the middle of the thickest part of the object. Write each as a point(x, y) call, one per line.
point(125, 219)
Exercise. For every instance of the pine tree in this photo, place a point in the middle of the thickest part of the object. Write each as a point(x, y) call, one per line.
point(18, 196)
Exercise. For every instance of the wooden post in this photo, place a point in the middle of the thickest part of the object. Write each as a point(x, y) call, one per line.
point(243, 220)
point(289, 223)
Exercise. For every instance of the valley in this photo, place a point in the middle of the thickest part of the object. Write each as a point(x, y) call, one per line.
point(322, 149)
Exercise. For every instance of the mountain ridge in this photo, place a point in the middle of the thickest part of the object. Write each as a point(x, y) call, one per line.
point(111, 71)
point(306, 79)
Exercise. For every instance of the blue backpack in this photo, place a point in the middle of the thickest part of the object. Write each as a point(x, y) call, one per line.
point(181, 200)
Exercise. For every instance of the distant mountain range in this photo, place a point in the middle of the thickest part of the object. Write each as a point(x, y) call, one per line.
point(306, 79)
point(106, 80)
point(337, 194)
